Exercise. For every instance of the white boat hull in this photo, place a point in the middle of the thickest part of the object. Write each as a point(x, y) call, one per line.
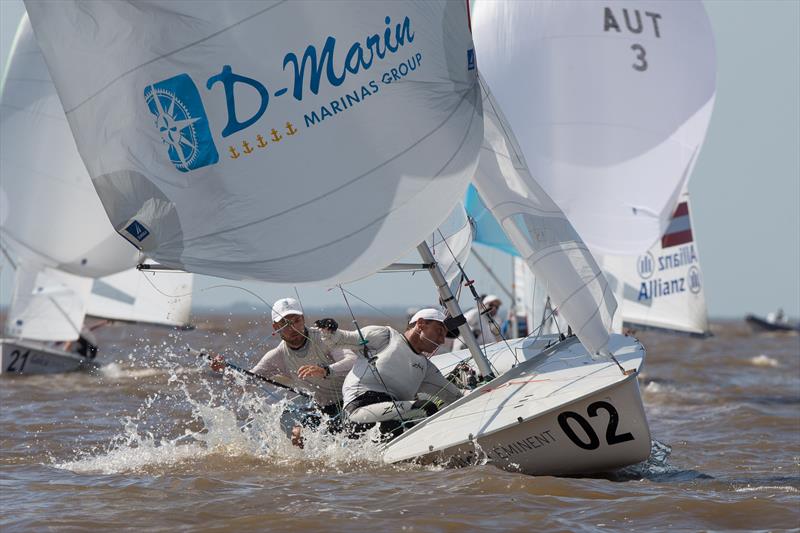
point(557, 412)
point(31, 357)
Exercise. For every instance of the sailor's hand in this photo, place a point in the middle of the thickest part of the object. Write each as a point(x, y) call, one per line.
point(327, 323)
point(311, 371)
point(217, 363)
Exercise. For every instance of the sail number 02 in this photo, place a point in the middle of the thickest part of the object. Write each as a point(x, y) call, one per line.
point(594, 440)
point(17, 355)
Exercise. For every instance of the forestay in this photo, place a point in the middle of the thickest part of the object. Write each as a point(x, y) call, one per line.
point(541, 233)
point(280, 141)
point(48, 305)
point(49, 212)
point(662, 288)
point(611, 104)
point(133, 296)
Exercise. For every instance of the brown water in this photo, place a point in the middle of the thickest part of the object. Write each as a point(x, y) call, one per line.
point(83, 451)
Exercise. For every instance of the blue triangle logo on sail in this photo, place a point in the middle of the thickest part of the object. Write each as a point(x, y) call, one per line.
point(182, 122)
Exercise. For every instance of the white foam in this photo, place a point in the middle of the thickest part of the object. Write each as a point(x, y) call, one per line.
point(117, 371)
point(769, 488)
point(223, 434)
point(763, 360)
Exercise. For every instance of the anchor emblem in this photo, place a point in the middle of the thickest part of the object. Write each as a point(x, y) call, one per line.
point(246, 147)
point(261, 142)
point(275, 136)
point(290, 130)
point(234, 153)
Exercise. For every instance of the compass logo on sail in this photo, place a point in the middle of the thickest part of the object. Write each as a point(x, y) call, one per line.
point(182, 122)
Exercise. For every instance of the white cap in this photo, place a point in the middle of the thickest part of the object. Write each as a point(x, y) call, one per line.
point(490, 298)
point(428, 313)
point(285, 307)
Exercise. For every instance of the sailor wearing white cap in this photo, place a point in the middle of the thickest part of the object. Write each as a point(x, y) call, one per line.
point(478, 320)
point(309, 358)
point(384, 390)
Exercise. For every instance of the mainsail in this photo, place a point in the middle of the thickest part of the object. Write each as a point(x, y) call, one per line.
point(135, 296)
point(662, 288)
point(451, 243)
point(48, 305)
point(611, 104)
point(49, 212)
point(278, 141)
point(541, 233)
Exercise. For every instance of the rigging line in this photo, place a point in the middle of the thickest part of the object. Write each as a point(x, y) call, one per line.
point(365, 302)
point(8, 257)
point(296, 293)
point(480, 322)
point(366, 354)
point(228, 286)
point(319, 357)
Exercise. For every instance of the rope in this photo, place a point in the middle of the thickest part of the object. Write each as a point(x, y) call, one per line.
point(370, 359)
point(478, 302)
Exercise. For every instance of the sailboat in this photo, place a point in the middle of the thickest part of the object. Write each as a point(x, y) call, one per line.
point(68, 261)
point(585, 116)
point(662, 289)
point(616, 150)
point(328, 158)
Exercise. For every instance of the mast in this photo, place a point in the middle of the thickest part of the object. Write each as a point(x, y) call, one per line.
point(454, 309)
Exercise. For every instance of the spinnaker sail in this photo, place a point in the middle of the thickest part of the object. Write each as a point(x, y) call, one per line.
point(611, 104)
point(279, 141)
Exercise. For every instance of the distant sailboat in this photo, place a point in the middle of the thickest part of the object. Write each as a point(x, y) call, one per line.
point(68, 260)
point(663, 288)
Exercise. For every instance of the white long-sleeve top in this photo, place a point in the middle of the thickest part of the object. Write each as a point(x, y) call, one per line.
point(320, 349)
point(399, 371)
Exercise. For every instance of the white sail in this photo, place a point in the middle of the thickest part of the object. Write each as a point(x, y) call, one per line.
point(451, 243)
point(48, 305)
point(49, 211)
point(532, 302)
point(662, 288)
point(280, 141)
point(146, 297)
point(541, 233)
point(611, 102)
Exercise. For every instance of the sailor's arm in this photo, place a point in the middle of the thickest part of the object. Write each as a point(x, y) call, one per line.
point(272, 364)
point(343, 358)
point(377, 338)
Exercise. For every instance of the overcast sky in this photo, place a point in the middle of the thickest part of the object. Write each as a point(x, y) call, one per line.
point(745, 188)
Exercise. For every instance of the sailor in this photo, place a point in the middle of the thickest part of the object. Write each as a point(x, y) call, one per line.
point(384, 388)
point(484, 328)
point(776, 317)
point(309, 358)
point(87, 344)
